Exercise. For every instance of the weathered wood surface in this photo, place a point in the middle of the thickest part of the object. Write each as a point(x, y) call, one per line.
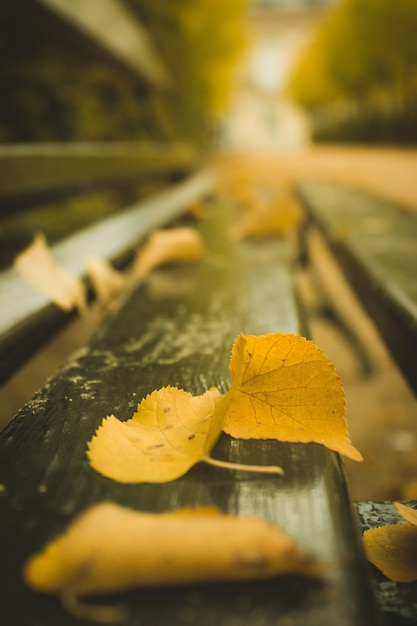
point(31, 173)
point(178, 329)
point(28, 318)
point(375, 244)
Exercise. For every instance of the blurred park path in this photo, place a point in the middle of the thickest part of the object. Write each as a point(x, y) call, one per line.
point(390, 172)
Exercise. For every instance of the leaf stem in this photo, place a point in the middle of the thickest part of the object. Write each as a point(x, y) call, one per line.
point(94, 612)
point(243, 467)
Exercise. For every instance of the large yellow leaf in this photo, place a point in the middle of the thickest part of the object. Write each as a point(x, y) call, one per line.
point(393, 548)
point(109, 548)
point(170, 432)
point(290, 392)
point(283, 387)
point(165, 437)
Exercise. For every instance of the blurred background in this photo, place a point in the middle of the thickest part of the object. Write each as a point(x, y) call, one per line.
point(301, 70)
point(314, 86)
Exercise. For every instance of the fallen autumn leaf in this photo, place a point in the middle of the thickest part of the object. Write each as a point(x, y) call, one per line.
point(36, 265)
point(283, 387)
point(109, 548)
point(290, 392)
point(170, 432)
point(393, 548)
point(174, 245)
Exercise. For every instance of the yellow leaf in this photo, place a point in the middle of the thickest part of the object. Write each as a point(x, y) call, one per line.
point(407, 513)
point(176, 245)
point(109, 548)
point(264, 218)
point(38, 268)
point(393, 550)
point(170, 432)
point(290, 392)
point(165, 437)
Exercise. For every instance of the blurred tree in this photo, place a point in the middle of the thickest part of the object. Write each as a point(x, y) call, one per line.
point(53, 92)
point(200, 42)
point(365, 53)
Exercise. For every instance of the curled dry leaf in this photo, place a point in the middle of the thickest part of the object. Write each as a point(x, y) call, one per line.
point(198, 208)
point(176, 245)
point(107, 282)
point(290, 392)
point(393, 548)
point(109, 548)
point(38, 268)
point(264, 218)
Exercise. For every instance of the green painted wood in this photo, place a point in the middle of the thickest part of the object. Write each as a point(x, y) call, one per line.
point(178, 329)
point(31, 173)
point(375, 244)
point(30, 319)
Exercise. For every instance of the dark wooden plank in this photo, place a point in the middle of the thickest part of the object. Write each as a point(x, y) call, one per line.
point(31, 173)
point(375, 244)
point(106, 30)
point(29, 318)
point(178, 329)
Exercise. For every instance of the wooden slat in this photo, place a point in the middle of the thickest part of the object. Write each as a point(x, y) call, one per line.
point(178, 330)
point(375, 244)
point(32, 173)
point(28, 318)
point(110, 27)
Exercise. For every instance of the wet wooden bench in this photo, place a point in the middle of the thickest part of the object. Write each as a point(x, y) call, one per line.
point(175, 329)
point(180, 335)
point(373, 241)
point(178, 329)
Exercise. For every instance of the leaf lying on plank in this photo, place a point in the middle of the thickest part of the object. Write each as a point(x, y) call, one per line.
point(176, 245)
point(290, 392)
point(393, 548)
point(165, 437)
point(170, 246)
point(109, 548)
point(37, 267)
point(265, 218)
point(283, 387)
point(170, 432)
point(106, 281)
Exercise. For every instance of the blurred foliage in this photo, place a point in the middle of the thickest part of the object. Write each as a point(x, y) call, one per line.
point(200, 42)
point(364, 54)
point(54, 92)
